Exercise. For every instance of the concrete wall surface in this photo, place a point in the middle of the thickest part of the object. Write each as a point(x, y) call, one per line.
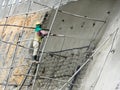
point(80, 32)
point(103, 70)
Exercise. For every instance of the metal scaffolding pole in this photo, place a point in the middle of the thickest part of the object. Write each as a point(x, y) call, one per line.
point(14, 67)
point(13, 59)
point(16, 26)
point(50, 53)
point(6, 19)
point(11, 43)
point(51, 26)
point(26, 13)
point(15, 3)
point(79, 16)
point(44, 77)
point(64, 12)
point(9, 4)
point(113, 41)
point(6, 26)
point(42, 51)
point(89, 59)
point(11, 84)
point(72, 14)
point(9, 25)
point(43, 5)
point(22, 84)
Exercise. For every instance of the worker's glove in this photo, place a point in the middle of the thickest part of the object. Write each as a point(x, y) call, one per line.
point(42, 35)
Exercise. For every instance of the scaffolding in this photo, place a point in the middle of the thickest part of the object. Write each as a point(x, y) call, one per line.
point(39, 73)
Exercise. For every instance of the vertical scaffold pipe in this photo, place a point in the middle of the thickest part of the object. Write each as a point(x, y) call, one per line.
point(13, 59)
point(51, 26)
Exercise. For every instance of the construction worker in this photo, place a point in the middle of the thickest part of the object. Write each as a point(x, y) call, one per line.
point(39, 34)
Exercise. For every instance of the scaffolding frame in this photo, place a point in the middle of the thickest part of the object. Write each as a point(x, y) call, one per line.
point(42, 51)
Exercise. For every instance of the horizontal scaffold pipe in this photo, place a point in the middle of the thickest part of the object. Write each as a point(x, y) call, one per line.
point(69, 13)
point(51, 53)
point(33, 48)
point(16, 26)
point(80, 16)
point(43, 77)
point(70, 49)
point(93, 54)
point(21, 26)
point(14, 67)
point(3, 84)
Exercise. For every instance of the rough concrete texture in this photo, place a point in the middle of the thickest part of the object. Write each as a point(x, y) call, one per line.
point(78, 33)
point(103, 71)
point(59, 67)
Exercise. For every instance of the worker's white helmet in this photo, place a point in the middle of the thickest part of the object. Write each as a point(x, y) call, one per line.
point(37, 22)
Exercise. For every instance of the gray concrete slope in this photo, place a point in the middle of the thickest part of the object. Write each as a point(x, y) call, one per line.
point(103, 71)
